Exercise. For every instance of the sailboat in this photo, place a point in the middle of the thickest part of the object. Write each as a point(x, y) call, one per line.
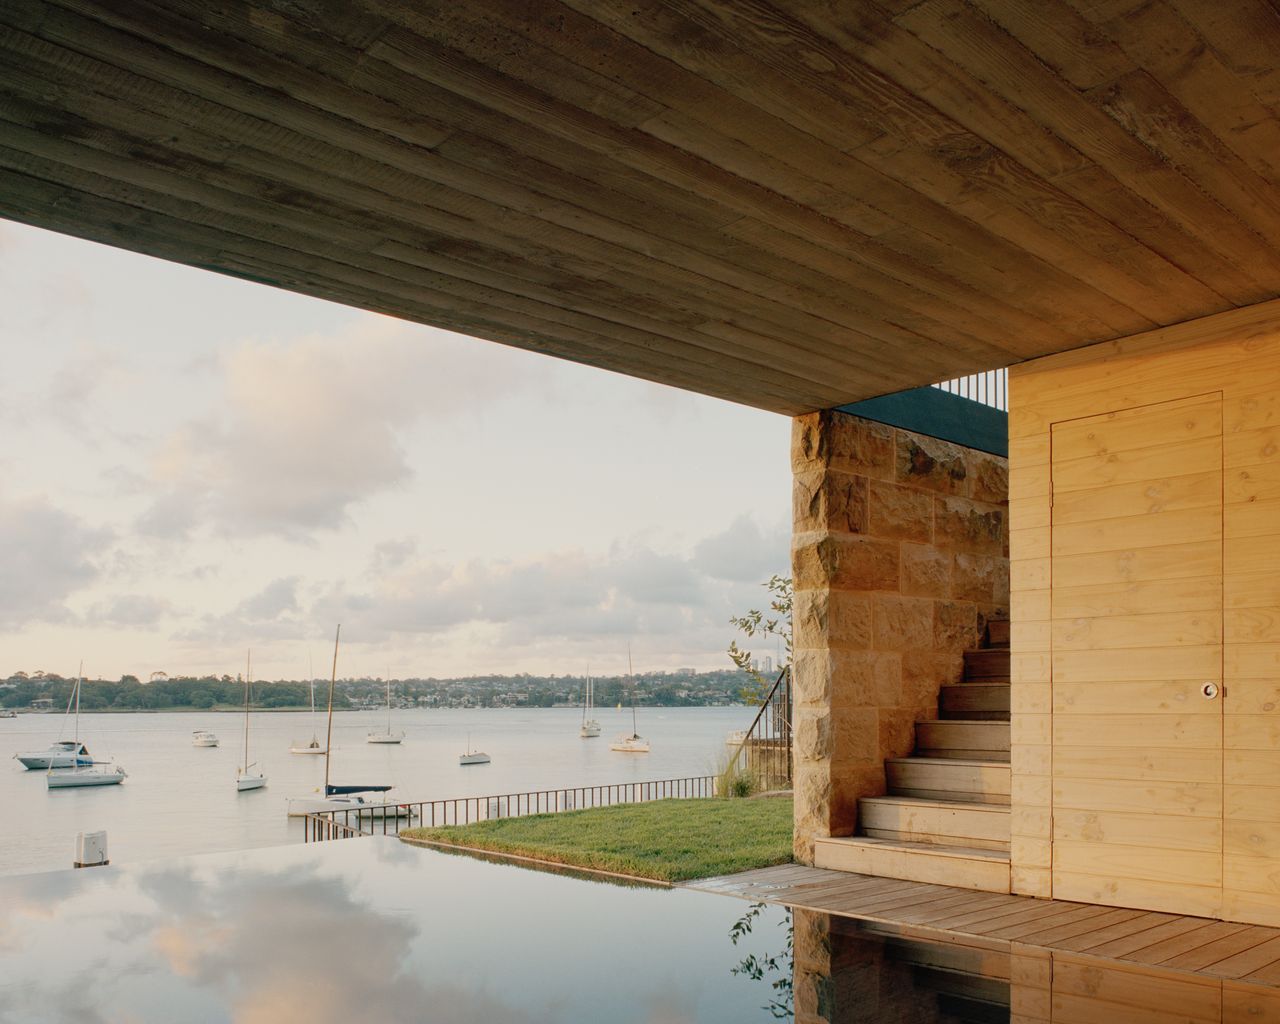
point(245, 779)
point(635, 743)
point(63, 753)
point(314, 746)
point(92, 773)
point(590, 727)
point(473, 756)
point(366, 801)
point(388, 736)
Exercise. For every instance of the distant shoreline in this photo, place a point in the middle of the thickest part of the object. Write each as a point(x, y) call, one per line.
point(233, 710)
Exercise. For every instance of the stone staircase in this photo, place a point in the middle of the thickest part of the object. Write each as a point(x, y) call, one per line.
point(945, 816)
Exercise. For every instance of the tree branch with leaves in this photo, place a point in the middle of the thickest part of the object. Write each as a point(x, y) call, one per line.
point(756, 624)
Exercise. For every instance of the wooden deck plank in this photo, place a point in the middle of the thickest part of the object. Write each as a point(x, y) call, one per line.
point(1193, 947)
point(1214, 952)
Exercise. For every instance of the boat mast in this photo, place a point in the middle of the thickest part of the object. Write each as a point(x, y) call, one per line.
point(388, 700)
point(632, 676)
point(79, 680)
point(311, 675)
point(586, 696)
point(328, 738)
point(248, 663)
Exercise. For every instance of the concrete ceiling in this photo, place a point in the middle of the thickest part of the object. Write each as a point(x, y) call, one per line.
point(793, 205)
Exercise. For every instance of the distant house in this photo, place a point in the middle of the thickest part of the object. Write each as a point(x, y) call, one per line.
point(42, 704)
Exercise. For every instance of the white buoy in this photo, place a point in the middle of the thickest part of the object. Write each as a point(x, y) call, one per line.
point(91, 850)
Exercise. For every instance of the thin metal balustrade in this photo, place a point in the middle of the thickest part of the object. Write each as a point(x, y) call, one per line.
point(390, 819)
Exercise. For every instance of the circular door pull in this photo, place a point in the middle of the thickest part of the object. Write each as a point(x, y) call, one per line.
point(1210, 690)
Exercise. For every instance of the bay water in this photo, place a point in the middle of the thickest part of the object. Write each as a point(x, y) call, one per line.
point(180, 799)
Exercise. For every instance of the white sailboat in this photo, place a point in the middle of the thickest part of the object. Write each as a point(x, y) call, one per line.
point(635, 743)
point(590, 727)
point(63, 753)
point(366, 801)
point(314, 747)
point(473, 756)
point(388, 736)
point(90, 773)
point(246, 779)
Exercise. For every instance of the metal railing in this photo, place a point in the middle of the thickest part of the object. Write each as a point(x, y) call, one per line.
point(317, 828)
point(991, 388)
point(390, 819)
point(765, 750)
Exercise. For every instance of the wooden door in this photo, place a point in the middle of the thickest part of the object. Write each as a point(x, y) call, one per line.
point(1137, 753)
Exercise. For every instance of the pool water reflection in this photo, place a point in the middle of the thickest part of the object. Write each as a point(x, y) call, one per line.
point(373, 930)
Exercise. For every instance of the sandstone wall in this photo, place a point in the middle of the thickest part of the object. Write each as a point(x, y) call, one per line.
point(900, 553)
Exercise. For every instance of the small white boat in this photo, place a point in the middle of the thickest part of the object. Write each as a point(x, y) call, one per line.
point(388, 736)
point(632, 744)
point(63, 754)
point(473, 756)
point(315, 746)
point(203, 738)
point(373, 804)
point(635, 743)
point(8, 713)
point(245, 778)
point(590, 728)
point(92, 775)
point(736, 738)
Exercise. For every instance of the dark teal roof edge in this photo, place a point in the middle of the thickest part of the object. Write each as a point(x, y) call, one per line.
point(940, 414)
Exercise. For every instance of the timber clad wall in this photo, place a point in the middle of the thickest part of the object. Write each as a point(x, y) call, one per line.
point(1145, 503)
point(900, 555)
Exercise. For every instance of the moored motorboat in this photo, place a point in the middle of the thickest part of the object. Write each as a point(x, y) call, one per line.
point(91, 775)
point(63, 754)
point(203, 738)
point(474, 757)
point(8, 713)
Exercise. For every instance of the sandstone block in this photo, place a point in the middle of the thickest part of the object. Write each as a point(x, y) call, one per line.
point(849, 620)
point(829, 500)
point(976, 577)
point(902, 623)
point(855, 734)
point(900, 513)
point(926, 571)
point(854, 679)
point(888, 675)
point(810, 617)
point(955, 625)
point(897, 732)
point(812, 735)
point(844, 562)
point(961, 524)
point(988, 477)
point(811, 677)
point(929, 463)
point(840, 441)
point(922, 678)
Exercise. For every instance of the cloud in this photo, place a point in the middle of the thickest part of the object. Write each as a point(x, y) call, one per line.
point(742, 552)
point(305, 430)
point(139, 610)
point(564, 598)
point(48, 554)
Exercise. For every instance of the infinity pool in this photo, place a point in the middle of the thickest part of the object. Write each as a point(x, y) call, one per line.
point(371, 930)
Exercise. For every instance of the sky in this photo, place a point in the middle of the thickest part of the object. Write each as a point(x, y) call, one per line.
point(193, 465)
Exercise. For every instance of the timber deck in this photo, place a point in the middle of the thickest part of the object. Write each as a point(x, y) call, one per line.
point(1221, 950)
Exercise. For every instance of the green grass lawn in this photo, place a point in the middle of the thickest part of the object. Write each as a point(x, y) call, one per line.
point(670, 840)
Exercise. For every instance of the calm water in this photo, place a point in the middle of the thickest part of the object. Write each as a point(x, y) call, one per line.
point(181, 799)
point(373, 930)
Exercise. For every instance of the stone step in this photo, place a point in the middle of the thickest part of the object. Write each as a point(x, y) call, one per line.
point(975, 702)
point(941, 822)
point(948, 778)
point(986, 666)
point(998, 633)
point(974, 741)
point(964, 868)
